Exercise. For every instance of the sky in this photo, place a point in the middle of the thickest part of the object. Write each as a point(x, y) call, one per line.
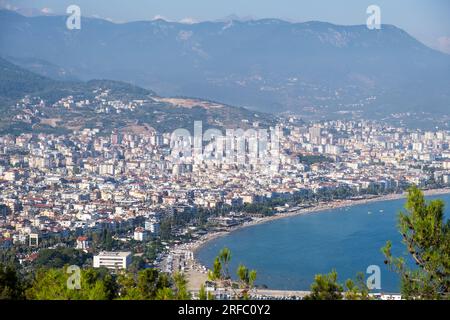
point(427, 20)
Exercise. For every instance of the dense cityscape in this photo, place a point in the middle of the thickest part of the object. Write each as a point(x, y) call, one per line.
point(61, 190)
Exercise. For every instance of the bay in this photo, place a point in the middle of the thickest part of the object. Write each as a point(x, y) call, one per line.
point(288, 252)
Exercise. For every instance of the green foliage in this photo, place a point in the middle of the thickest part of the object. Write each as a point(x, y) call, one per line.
point(225, 259)
point(126, 284)
point(246, 280)
point(220, 273)
point(326, 287)
point(51, 284)
point(220, 268)
point(11, 287)
point(247, 277)
point(166, 229)
point(165, 294)
point(105, 240)
point(58, 258)
point(152, 285)
point(181, 292)
point(15, 82)
point(312, 159)
point(266, 209)
point(357, 290)
point(152, 250)
point(203, 295)
point(137, 264)
point(94, 284)
point(149, 281)
point(427, 239)
point(216, 272)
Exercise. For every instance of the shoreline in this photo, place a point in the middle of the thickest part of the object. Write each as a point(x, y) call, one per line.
point(198, 271)
point(320, 207)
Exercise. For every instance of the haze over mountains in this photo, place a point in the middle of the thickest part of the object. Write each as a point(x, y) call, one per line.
point(34, 103)
point(266, 65)
point(17, 82)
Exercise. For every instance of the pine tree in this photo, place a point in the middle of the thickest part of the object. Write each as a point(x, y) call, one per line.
point(427, 239)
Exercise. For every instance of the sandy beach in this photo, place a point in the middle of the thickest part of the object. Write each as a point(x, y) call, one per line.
point(197, 273)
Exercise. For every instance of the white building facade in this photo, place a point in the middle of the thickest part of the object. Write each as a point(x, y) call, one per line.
point(112, 260)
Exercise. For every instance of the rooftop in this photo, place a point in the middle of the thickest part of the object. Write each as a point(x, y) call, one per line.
point(115, 254)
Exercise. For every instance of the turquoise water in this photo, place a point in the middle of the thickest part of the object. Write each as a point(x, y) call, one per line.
point(287, 253)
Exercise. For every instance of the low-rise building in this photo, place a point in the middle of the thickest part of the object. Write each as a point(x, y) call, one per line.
point(112, 260)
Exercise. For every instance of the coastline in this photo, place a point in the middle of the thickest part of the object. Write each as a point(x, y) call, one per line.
point(198, 272)
point(324, 206)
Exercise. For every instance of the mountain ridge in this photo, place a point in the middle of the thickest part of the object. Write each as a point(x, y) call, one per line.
point(268, 65)
point(34, 103)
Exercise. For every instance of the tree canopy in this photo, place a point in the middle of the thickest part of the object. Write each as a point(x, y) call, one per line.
point(426, 236)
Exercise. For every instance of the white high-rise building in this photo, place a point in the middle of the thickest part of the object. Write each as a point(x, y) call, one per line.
point(112, 260)
point(152, 226)
point(140, 234)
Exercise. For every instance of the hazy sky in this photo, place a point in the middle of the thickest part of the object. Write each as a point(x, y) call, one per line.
point(427, 20)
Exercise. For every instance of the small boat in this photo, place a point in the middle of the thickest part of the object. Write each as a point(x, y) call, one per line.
point(381, 210)
point(370, 212)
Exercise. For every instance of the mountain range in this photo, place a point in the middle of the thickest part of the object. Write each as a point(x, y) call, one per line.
point(270, 65)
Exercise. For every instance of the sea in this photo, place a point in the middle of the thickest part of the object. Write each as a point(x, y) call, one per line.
point(288, 253)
